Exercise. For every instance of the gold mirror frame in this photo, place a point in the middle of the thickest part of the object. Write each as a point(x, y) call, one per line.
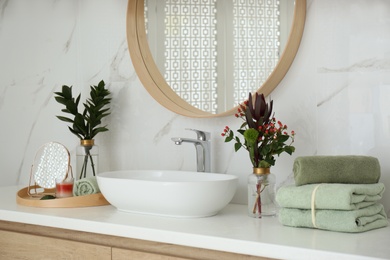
point(157, 86)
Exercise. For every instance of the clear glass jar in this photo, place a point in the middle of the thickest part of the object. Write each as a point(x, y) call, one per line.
point(261, 193)
point(87, 159)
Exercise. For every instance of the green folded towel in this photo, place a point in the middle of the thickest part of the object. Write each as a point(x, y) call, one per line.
point(86, 186)
point(353, 221)
point(336, 169)
point(330, 196)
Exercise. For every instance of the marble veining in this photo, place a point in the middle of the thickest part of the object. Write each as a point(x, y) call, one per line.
point(118, 69)
point(42, 105)
point(164, 131)
point(3, 6)
point(367, 65)
point(69, 41)
point(332, 95)
point(335, 95)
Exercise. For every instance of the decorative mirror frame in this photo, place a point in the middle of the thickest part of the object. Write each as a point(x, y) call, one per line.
point(35, 187)
point(157, 86)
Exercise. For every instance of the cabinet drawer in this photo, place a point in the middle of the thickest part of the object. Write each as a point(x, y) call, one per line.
point(16, 246)
point(126, 254)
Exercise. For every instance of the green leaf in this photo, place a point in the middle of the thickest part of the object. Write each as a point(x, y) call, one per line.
point(48, 197)
point(243, 125)
point(283, 138)
point(237, 146)
point(264, 150)
point(79, 120)
point(78, 100)
point(268, 162)
point(85, 125)
point(241, 131)
point(75, 132)
point(289, 149)
point(65, 119)
point(228, 138)
point(67, 92)
point(61, 99)
point(66, 111)
point(101, 84)
point(71, 107)
point(98, 130)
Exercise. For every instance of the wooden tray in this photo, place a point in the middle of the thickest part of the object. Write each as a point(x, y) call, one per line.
point(97, 199)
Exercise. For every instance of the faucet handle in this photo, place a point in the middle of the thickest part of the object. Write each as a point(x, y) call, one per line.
point(202, 135)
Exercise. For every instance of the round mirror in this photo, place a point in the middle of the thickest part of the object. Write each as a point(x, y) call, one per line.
point(51, 161)
point(202, 58)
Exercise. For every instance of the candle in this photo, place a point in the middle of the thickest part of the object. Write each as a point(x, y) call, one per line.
point(64, 188)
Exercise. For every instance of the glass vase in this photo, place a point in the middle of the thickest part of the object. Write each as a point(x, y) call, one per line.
point(87, 159)
point(261, 193)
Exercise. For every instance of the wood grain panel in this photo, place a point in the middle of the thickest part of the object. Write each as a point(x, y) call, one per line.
point(125, 254)
point(17, 246)
point(116, 243)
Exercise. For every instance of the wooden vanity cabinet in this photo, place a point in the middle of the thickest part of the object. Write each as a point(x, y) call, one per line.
point(15, 246)
point(126, 254)
point(30, 242)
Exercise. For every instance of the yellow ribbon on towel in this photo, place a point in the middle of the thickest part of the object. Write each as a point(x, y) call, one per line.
point(313, 206)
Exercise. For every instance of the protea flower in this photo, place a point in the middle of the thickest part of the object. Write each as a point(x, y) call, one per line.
point(258, 112)
point(264, 136)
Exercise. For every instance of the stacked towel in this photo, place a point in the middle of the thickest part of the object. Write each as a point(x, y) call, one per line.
point(330, 196)
point(336, 169)
point(353, 221)
point(86, 186)
point(337, 193)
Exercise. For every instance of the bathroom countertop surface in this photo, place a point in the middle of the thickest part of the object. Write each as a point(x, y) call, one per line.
point(231, 230)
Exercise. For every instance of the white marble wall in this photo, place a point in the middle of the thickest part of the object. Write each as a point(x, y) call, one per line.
point(335, 96)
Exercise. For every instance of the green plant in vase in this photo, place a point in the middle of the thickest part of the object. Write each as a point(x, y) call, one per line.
point(85, 124)
point(263, 137)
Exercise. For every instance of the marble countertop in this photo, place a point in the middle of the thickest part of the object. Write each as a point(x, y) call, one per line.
point(231, 230)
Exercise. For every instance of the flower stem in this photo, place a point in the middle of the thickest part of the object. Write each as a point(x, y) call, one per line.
point(257, 205)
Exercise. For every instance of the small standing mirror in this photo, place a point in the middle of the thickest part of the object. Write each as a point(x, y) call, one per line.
point(51, 162)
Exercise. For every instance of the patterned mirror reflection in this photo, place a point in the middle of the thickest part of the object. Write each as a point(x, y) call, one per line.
point(51, 162)
point(213, 52)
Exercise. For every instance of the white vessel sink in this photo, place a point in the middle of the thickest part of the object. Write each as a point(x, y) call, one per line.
point(168, 193)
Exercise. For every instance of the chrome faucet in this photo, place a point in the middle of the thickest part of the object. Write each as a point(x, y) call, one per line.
point(202, 146)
